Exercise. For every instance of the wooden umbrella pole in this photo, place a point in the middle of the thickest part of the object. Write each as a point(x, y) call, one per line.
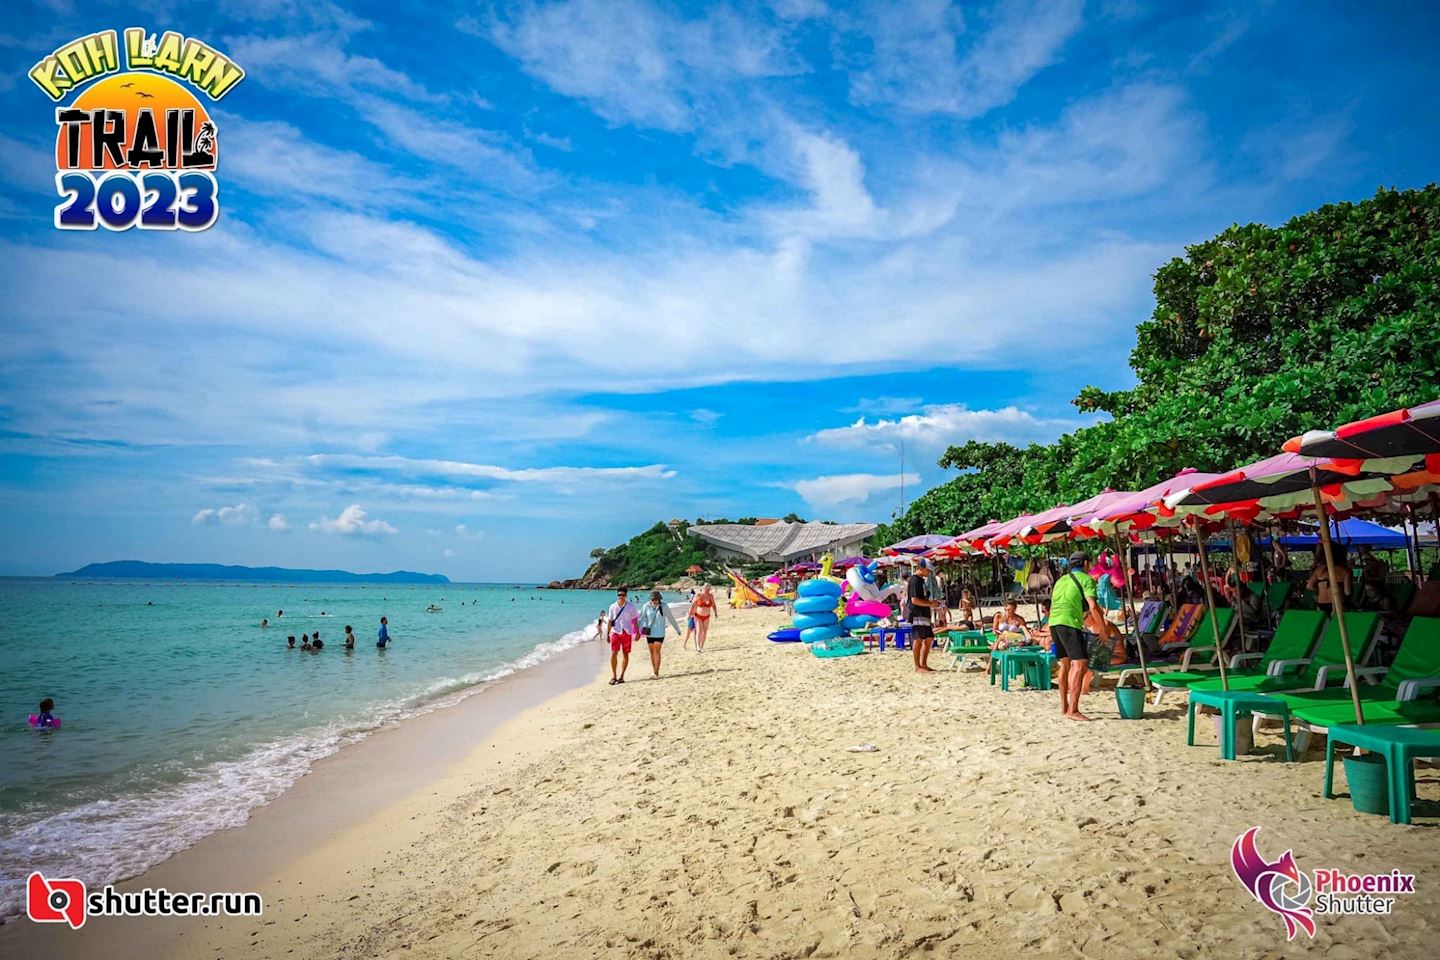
point(1337, 606)
point(1134, 617)
point(1210, 602)
point(1239, 584)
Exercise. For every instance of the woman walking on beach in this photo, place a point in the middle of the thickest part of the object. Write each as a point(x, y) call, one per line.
point(701, 608)
point(653, 617)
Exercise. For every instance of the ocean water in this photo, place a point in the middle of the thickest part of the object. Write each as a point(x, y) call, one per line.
point(180, 714)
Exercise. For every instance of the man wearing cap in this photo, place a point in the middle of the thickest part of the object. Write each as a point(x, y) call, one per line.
point(1072, 594)
point(918, 596)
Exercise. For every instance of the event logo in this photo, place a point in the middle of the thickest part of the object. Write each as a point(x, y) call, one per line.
point(1297, 897)
point(136, 147)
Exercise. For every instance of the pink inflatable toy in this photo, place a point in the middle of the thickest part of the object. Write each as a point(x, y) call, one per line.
point(867, 608)
point(52, 725)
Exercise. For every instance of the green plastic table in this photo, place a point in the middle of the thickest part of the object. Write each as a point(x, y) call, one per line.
point(1400, 746)
point(1234, 704)
point(1034, 662)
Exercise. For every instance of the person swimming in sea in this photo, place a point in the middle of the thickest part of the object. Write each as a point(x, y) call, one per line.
point(383, 639)
point(46, 717)
point(304, 641)
point(264, 623)
point(290, 641)
point(349, 638)
point(316, 644)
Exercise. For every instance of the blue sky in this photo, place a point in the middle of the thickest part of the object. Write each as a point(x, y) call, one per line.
point(498, 283)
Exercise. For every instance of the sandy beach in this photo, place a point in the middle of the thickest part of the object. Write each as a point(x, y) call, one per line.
point(717, 812)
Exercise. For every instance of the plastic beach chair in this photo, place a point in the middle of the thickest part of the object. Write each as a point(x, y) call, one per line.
point(1310, 673)
point(1294, 639)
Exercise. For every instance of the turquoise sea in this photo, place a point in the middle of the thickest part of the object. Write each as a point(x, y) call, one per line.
point(180, 714)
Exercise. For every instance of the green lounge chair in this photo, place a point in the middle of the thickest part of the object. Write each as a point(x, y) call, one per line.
point(1277, 595)
point(1309, 673)
point(1404, 693)
point(968, 643)
point(1199, 651)
point(1294, 639)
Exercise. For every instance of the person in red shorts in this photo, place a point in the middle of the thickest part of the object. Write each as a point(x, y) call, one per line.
point(622, 626)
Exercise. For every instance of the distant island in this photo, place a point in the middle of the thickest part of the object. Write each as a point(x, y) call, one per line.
point(140, 570)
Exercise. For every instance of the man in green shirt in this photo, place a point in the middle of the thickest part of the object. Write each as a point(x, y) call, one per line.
point(1070, 597)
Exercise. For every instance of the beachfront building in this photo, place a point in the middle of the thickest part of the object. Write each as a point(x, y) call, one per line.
point(783, 542)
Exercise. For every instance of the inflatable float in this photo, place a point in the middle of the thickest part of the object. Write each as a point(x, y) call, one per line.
point(867, 608)
point(806, 620)
point(827, 632)
point(786, 635)
point(837, 647)
point(826, 604)
point(54, 724)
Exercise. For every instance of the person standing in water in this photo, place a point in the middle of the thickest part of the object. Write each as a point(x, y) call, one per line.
point(622, 626)
point(653, 617)
point(383, 639)
point(701, 608)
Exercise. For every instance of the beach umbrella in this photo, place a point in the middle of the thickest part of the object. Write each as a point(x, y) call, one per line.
point(918, 544)
point(1400, 432)
point(1284, 487)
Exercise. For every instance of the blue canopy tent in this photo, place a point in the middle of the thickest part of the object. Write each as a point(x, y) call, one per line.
point(1352, 533)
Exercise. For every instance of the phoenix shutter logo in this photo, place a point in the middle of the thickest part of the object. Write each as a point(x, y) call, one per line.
point(1281, 887)
point(135, 146)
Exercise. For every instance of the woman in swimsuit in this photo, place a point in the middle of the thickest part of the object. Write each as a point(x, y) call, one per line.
point(701, 608)
point(1009, 627)
point(1320, 577)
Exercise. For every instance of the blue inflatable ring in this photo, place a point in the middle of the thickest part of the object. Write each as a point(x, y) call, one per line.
point(816, 605)
point(806, 620)
point(818, 588)
point(821, 633)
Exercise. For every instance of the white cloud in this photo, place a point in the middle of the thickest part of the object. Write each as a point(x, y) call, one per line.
point(940, 425)
point(849, 488)
point(705, 416)
point(450, 552)
point(635, 63)
point(924, 56)
point(277, 522)
point(465, 533)
point(353, 522)
point(240, 515)
point(483, 471)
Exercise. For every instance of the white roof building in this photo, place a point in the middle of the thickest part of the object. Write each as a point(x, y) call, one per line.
point(783, 542)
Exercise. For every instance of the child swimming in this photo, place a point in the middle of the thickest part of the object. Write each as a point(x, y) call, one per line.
point(46, 718)
point(290, 641)
point(304, 641)
point(349, 638)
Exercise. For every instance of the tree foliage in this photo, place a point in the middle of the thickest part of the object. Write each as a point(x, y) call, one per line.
point(1258, 334)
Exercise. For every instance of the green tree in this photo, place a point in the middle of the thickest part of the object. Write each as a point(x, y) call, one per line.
point(1257, 335)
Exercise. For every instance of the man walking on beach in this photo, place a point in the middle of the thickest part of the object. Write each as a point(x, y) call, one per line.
point(1070, 597)
point(922, 604)
point(621, 628)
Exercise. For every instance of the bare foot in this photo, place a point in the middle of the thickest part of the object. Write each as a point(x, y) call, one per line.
point(1077, 715)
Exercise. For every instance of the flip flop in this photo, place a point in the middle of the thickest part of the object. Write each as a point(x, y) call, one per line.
point(613, 681)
